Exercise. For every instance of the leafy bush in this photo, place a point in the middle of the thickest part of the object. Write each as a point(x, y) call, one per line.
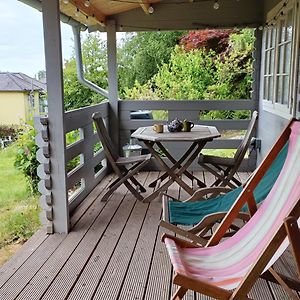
point(26, 157)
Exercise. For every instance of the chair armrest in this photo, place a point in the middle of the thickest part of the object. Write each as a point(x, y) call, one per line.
point(199, 194)
point(213, 218)
point(195, 240)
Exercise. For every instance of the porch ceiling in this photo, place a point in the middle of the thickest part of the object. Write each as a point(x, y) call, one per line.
point(143, 15)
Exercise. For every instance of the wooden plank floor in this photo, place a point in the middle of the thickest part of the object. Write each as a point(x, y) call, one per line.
point(113, 252)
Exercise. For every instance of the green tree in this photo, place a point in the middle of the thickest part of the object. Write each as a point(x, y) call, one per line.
point(95, 70)
point(141, 55)
point(186, 76)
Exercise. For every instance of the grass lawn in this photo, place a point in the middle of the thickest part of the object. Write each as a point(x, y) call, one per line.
point(18, 209)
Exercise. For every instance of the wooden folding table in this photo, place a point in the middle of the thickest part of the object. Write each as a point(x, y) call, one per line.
point(198, 137)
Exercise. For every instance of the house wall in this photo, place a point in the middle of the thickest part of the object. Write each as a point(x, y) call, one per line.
point(32, 110)
point(12, 106)
point(15, 107)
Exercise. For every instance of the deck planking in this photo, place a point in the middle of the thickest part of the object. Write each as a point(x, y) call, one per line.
point(113, 252)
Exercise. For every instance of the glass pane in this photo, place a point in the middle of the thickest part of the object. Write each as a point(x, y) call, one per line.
point(266, 79)
point(281, 60)
point(272, 62)
point(267, 63)
point(282, 30)
point(271, 86)
point(286, 82)
point(279, 90)
point(273, 37)
point(288, 54)
point(268, 38)
point(289, 25)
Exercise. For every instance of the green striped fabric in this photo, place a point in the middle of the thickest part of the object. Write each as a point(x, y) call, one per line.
point(190, 213)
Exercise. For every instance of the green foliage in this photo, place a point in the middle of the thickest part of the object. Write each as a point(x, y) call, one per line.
point(18, 212)
point(72, 137)
point(25, 160)
point(95, 70)
point(187, 75)
point(203, 74)
point(141, 55)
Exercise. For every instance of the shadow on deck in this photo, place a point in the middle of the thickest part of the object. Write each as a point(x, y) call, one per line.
point(113, 252)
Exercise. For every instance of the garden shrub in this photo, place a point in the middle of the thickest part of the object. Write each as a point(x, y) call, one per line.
point(26, 157)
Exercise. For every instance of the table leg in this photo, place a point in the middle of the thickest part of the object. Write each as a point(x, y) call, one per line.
point(170, 172)
point(194, 154)
point(177, 165)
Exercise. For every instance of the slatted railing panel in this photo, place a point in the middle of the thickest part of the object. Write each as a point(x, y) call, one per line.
point(184, 109)
point(84, 174)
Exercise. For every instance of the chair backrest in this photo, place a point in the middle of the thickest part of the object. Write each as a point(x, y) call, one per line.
point(105, 139)
point(244, 145)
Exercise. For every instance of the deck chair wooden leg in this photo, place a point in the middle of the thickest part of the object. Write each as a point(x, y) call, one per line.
point(179, 293)
point(284, 285)
point(290, 282)
point(293, 232)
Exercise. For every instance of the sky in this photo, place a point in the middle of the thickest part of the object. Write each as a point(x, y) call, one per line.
point(21, 38)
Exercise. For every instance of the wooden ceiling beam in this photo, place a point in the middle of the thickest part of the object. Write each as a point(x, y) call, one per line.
point(144, 6)
point(90, 11)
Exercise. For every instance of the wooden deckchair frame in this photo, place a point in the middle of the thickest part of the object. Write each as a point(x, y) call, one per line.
point(197, 234)
point(119, 164)
point(226, 170)
point(286, 229)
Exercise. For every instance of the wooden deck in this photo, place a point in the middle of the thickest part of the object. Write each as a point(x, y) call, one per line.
point(113, 252)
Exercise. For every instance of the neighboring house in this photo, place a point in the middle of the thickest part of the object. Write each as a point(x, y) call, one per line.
point(20, 97)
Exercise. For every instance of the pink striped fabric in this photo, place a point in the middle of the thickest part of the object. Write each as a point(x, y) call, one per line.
point(226, 264)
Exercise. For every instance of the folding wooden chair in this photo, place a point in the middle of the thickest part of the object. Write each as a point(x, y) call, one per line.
point(202, 213)
point(225, 168)
point(228, 268)
point(118, 164)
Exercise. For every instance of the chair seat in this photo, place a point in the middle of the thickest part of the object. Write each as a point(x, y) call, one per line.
point(216, 160)
point(133, 159)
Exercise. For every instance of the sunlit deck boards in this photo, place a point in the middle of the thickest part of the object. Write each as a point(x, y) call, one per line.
point(113, 252)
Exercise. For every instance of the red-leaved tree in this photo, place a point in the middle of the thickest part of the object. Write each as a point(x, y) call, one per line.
point(209, 39)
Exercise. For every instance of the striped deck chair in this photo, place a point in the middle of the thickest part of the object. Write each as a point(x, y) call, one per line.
point(203, 213)
point(228, 268)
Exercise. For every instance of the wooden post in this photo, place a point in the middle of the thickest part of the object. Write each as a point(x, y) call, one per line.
point(113, 82)
point(53, 54)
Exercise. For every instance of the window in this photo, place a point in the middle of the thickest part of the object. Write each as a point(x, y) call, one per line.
point(279, 57)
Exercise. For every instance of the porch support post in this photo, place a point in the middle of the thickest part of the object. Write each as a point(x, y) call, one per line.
point(113, 82)
point(53, 54)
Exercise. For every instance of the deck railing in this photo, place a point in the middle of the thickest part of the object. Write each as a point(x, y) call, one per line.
point(85, 159)
point(88, 165)
point(91, 163)
point(188, 110)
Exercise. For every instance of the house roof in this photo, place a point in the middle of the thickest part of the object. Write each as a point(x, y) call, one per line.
point(19, 82)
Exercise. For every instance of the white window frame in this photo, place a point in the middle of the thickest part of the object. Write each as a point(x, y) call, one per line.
point(289, 109)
